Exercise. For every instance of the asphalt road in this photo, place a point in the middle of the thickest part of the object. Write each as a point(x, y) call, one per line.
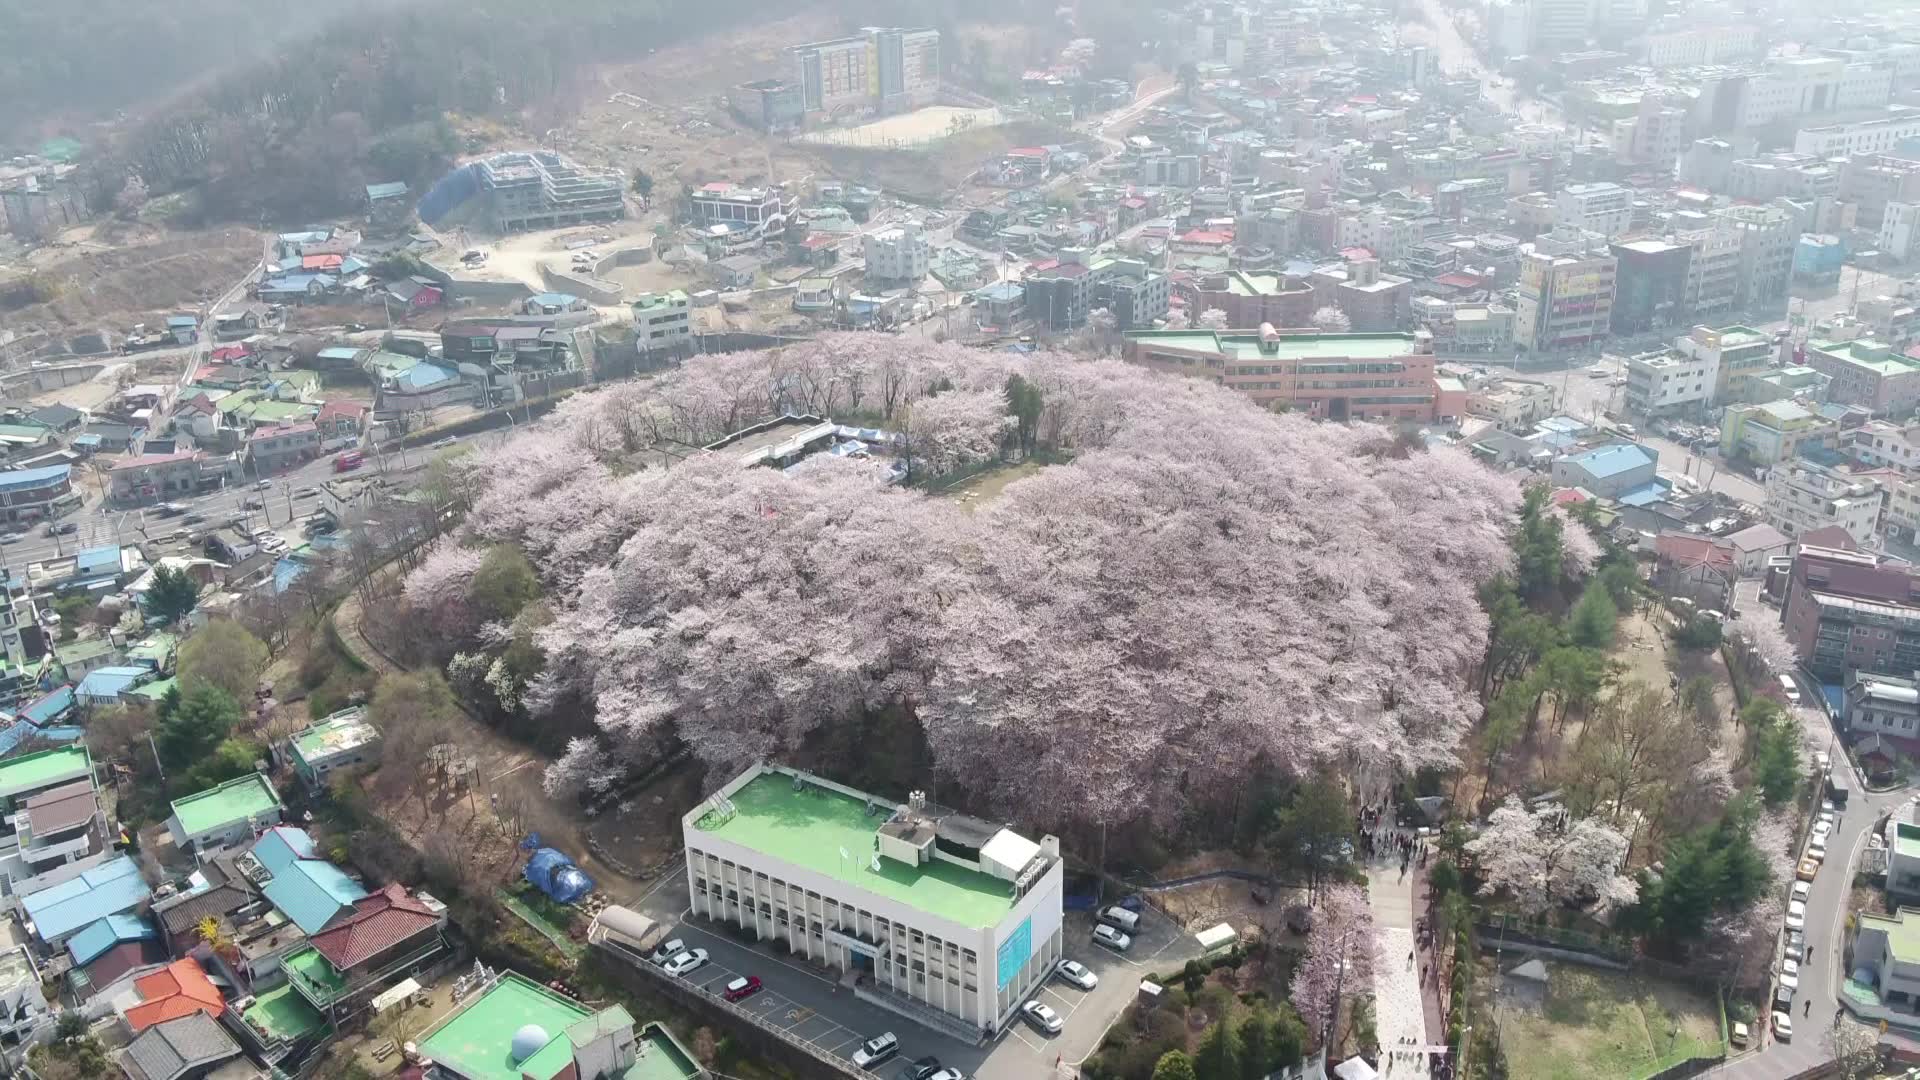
point(807, 1004)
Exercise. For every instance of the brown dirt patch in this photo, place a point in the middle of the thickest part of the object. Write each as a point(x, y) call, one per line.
point(139, 280)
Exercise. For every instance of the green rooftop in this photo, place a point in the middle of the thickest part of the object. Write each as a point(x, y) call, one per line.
point(316, 973)
point(343, 730)
point(1875, 356)
point(811, 827)
point(1246, 345)
point(477, 1041)
point(236, 800)
point(154, 691)
point(1906, 840)
point(44, 769)
point(1902, 930)
point(283, 1014)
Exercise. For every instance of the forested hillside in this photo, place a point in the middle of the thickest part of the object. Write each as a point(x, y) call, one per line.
point(63, 64)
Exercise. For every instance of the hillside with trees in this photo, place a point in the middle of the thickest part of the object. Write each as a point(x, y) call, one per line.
point(1189, 585)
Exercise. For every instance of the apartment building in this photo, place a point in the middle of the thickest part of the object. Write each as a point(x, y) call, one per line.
point(898, 256)
point(1867, 373)
point(1871, 181)
point(1669, 382)
point(1900, 230)
point(916, 899)
point(1685, 46)
point(1253, 297)
point(1736, 353)
point(1713, 268)
point(1862, 137)
point(1878, 444)
point(1566, 292)
point(1848, 610)
point(883, 69)
point(1796, 176)
point(1374, 302)
point(662, 322)
point(1603, 207)
point(1385, 377)
point(1060, 296)
point(1767, 237)
point(50, 817)
point(1774, 431)
point(1803, 496)
point(1135, 292)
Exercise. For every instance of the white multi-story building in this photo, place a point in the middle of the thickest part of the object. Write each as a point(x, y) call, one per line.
point(1767, 238)
point(1863, 137)
point(1803, 496)
point(1799, 86)
point(1700, 45)
point(1879, 444)
point(1670, 381)
point(662, 322)
point(933, 909)
point(1514, 405)
point(1900, 230)
point(1602, 207)
point(899, 254)
point(50, 811)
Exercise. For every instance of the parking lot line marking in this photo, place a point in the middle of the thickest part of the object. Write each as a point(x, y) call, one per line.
point(1031, 1045)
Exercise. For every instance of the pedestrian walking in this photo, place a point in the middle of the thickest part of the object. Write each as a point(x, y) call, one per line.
point(1809, 1009)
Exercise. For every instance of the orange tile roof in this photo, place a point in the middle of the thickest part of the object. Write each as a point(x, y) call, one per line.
point(179, 989)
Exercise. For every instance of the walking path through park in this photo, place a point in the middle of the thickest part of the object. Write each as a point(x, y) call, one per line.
point(1399, 1009)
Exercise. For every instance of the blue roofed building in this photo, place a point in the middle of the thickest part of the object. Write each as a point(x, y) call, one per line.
point(1608, 471)
point(50, 708)
point(103, 686)
point(185, 329)
point(58, 912)
point(34, 494)
point(102, 934)
point(310, 891)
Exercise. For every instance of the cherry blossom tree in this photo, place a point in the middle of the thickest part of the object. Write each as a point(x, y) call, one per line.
point(1201, 583)
point(1331, 320)
point(437, 588)
point(1339, 957)
point(1212, 319)
point(1763, 639)
point(1542, 857)
point(1176, 319)
point(1580, 551)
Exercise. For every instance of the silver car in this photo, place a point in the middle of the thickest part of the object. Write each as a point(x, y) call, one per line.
point(1077, 973)
point(1111, 938)
point(1042, 1017)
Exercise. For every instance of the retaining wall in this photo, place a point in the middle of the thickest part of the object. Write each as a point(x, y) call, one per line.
point(488, 292)
point(40, 380)
point(582, 285)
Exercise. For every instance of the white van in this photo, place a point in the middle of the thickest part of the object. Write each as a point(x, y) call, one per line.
point(1788, 688)
point(1117, 916)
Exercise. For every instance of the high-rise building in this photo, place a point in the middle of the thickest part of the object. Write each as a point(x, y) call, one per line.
point(1650, 285)
point(882, 69)
point(1566, 292)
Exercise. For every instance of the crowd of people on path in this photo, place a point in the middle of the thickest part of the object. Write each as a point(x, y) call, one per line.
point(1387, 840)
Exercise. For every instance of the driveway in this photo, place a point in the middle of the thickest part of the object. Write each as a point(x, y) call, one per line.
point(806, 1002)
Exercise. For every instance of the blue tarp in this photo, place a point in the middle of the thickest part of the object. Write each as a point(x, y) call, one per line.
point(554, 874)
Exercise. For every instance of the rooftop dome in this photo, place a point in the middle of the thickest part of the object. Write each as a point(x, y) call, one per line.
point(527, 1042)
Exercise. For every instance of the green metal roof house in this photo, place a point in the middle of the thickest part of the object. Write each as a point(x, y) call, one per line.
point(224, 815)
point(334, 742)
point(518, 1029)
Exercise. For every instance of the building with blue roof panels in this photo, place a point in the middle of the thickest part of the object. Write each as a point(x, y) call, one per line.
point(103, 686)
point(282, 846)
point(58, 912)
point(32, 494)
point(312, 892)
point(1608, 471)
point(56, 705)
point(102, 934)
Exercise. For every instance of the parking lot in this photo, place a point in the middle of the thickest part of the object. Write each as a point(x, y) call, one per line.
point(807, 1004)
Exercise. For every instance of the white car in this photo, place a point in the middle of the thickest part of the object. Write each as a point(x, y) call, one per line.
point(1077, 973)
point(1823, 829)
point(948, 1073)
point(684, 963)
point(1802, 890)
point(876, 1050)
point(1790, 973)
point(1817, 848)
point(263, 485)
point(1796, 915)
point(1782, 1027)
point(667, 951)
point(1042, 1018)
point(1111, 938)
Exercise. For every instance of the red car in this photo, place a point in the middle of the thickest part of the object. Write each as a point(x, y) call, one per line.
point(743, 987)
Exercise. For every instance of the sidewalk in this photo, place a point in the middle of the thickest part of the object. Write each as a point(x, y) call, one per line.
point(1400, 1009)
